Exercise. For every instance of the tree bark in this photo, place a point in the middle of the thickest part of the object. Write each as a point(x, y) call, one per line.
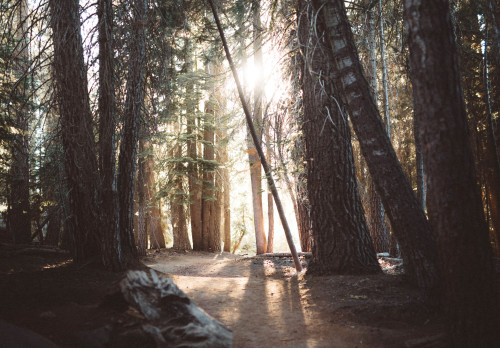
point(455, 208)
point(153, 217)
point(80, 161)
point(270, 207)
point(376, 214)
point(209, 215)
point(141, 238)
point(110, 235)
point(131, 124)
point(408, 220)
point(253, 157)
point(342, 243)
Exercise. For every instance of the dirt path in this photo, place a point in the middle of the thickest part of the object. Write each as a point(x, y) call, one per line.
point(268, 305)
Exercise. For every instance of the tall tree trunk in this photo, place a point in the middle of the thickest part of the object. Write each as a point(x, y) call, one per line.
point(304, 213)
point(19, 220)
point(179, 226)
point(492, 167)
point(141, 204)
point(455, 208)
point(226, 187)
point(209, 195)
point(110, 234)
point(270, 207)
point(407, 218)
point(80, 161)
point(131, 124)
point(376, 215)
point(153, 217)
point(253, 157)
point(342, 243)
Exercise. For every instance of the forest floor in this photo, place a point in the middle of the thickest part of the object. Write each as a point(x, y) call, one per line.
point(261, 299)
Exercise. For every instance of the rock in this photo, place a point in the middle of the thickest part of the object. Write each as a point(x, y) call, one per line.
point(172, 318)
point(18, 337)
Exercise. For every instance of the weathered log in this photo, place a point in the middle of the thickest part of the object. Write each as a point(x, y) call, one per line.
point(173, 319)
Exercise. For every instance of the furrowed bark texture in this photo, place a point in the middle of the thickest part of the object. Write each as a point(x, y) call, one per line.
point(455, 209)
point(342, 243)
point(80, 161)
point(408, 220)
point(376, 214)
point(131, 123)
point(110, 235)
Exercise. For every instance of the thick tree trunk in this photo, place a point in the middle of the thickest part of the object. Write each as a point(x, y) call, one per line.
point(80, 161)
point(110, 235)
point(131, 124)
point(408, 220)
point(19, 220)
point(253, 157)
point(455, 208)
point(209, 217)
point(342, 243)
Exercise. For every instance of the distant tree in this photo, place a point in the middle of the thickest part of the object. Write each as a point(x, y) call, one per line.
point(253, 157)
point(18, 213)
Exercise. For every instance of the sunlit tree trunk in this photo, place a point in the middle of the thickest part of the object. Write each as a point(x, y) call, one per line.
point(179, 226)
point(253, 157)
point(131, 124)
point(270, 207)
point(209, 212)
point(193, 168)
point(407, 218)
point(226, 188)
point(342, 243)
point(19, 220)
point(80, 161)
point(153, 217)
point(454, 202)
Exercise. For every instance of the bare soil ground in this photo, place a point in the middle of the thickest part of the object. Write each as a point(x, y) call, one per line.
point(261, 299)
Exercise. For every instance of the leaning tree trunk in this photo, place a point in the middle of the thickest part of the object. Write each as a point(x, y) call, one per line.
point(131, 123)
point(342, 243)
point(80, 161)
point(407, 218)
point(454, 201)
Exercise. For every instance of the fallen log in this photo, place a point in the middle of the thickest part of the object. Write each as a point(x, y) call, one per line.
point(172, 318)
